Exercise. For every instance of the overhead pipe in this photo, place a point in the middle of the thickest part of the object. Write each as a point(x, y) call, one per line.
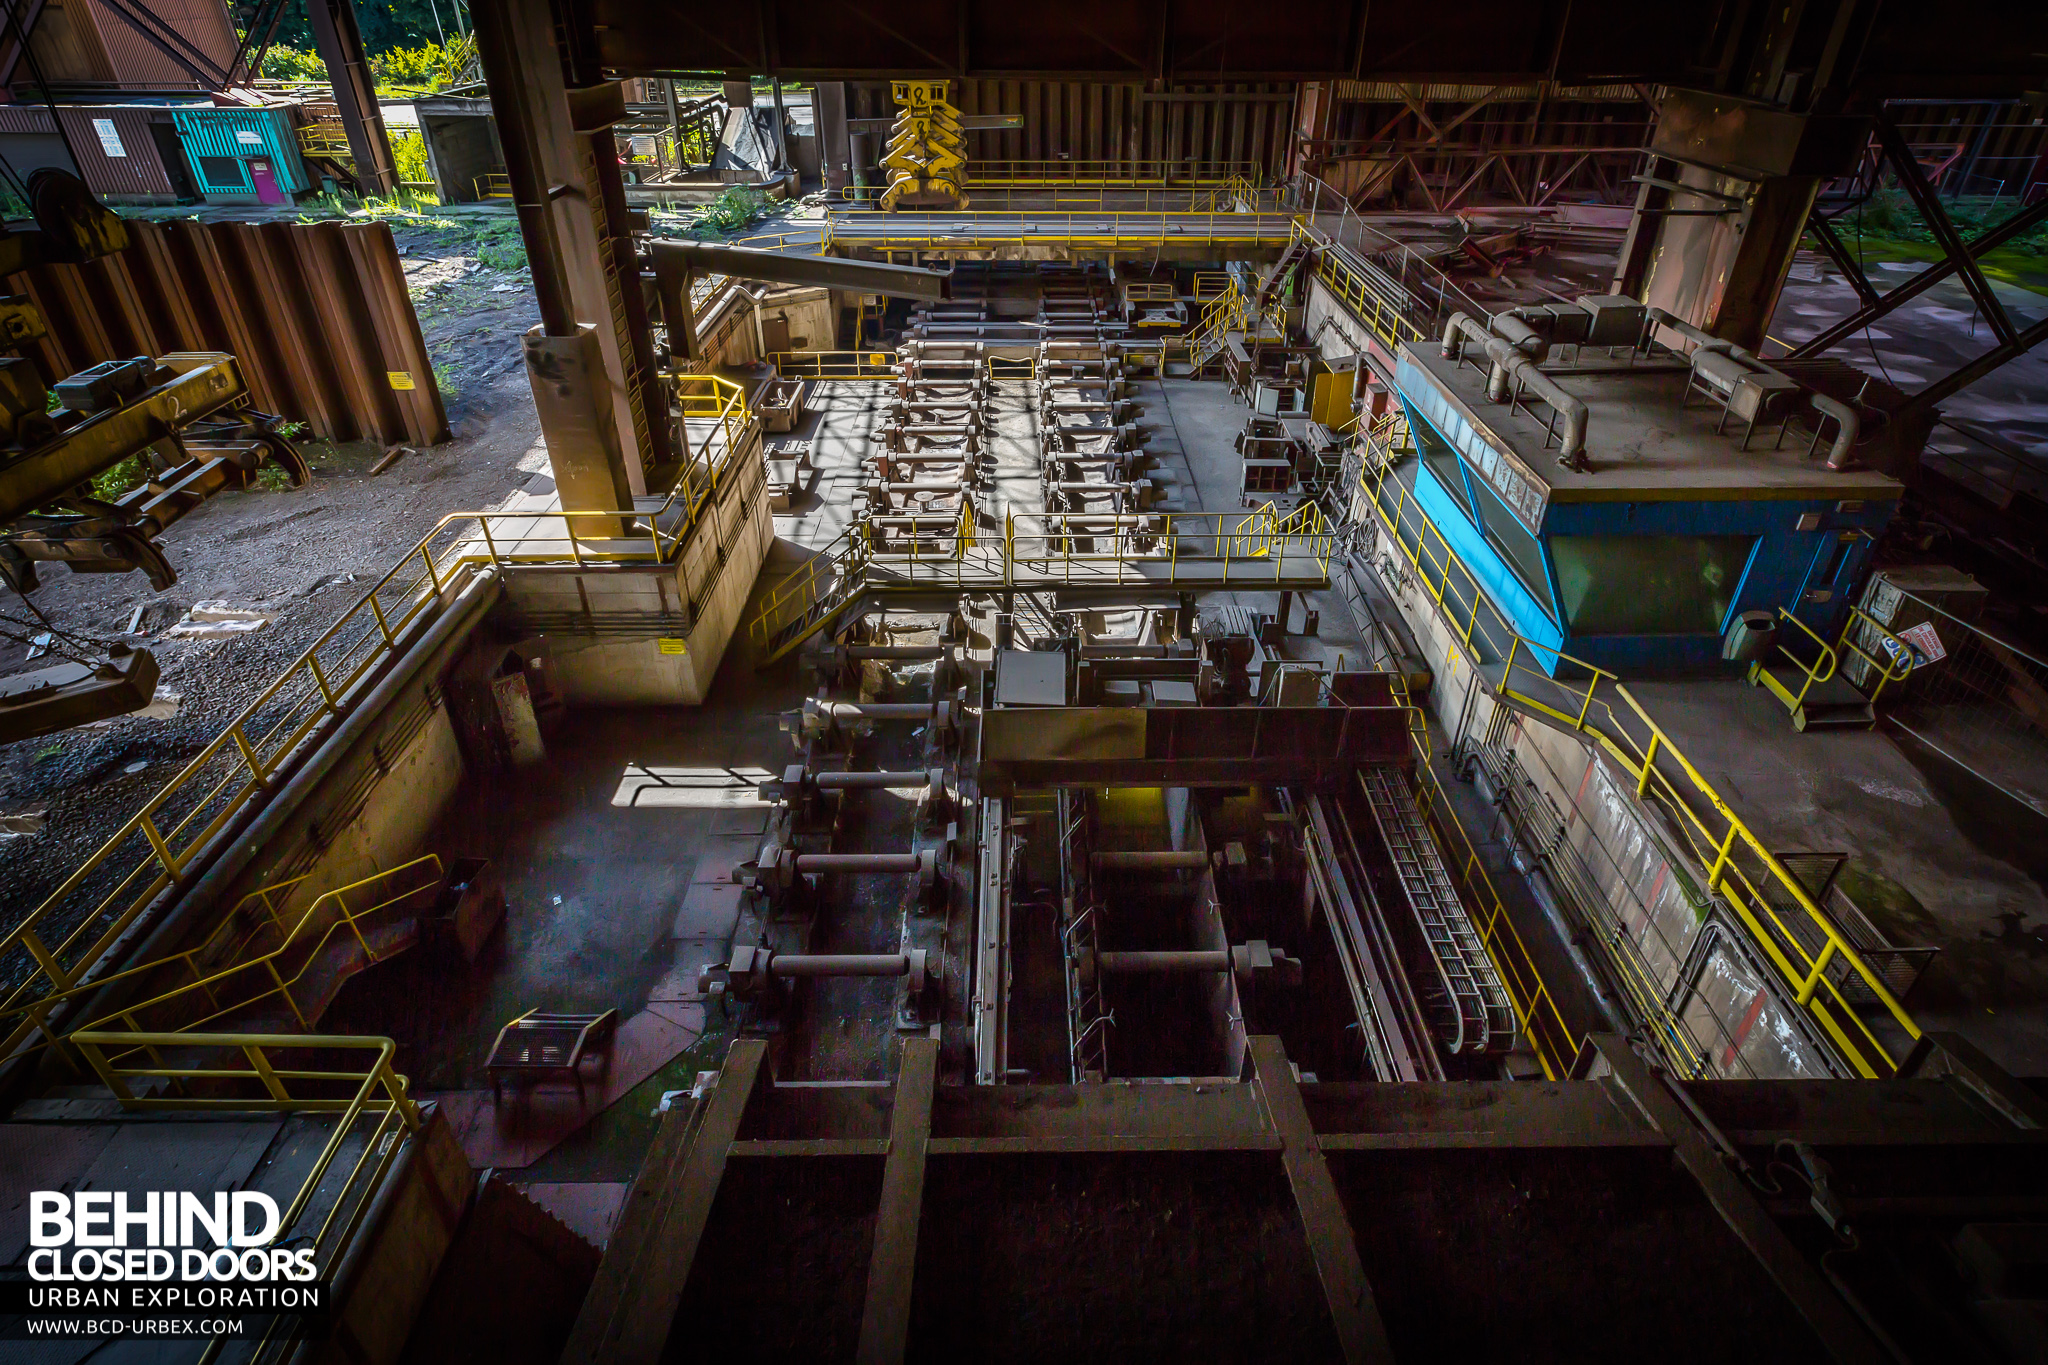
point(752, 969)
point(1244, 960)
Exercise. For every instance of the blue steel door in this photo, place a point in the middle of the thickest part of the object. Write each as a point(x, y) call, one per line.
point(1824, 598)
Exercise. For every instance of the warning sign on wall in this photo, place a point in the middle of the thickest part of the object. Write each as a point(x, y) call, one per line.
point(1925, 642)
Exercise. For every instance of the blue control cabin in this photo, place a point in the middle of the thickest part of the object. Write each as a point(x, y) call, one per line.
point(1627, 518)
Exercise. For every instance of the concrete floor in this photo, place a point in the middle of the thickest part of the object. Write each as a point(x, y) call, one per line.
point(601, 881)
point(1931, 860)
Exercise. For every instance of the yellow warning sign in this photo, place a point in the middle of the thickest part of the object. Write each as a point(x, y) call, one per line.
point(400, 379)
point(671, 646)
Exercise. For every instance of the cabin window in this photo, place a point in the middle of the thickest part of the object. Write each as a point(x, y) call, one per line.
point(1648, 585)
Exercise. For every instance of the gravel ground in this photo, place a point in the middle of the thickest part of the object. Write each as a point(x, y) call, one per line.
point(290, 552)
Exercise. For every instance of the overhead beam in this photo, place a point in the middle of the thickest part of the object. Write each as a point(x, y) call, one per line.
point(676, 264)
point(340, 43)
point(632, 1305)
point(1914, 181)
point(1844, 1335)
point(1984, 242)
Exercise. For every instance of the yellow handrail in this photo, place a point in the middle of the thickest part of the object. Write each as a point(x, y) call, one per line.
point(1713, 838)
point(378, 1093)
point(1822, 669)
point(98, 902)
point(207, 992)
point(1543, 1025)
point(834, 364)
point(1367, 301)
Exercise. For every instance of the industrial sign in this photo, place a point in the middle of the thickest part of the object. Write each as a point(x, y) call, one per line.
point(110, 139)
point(670, 646)
point(400, 379)
point(247, 138)
point(1925, 642)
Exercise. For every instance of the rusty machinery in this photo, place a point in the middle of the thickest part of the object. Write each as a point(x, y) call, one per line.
point(184, 416)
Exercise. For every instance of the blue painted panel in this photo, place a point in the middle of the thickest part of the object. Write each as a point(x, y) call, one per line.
point(1499, 581)
point(238, 134)
point(1425, 399)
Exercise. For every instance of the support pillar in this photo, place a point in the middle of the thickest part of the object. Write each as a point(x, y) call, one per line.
point(561, 159)
point(835, 144)
point(340, 44)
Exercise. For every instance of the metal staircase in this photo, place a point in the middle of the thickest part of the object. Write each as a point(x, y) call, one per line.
point(812, 598)
point(1475, 1015)
point(1297, 251)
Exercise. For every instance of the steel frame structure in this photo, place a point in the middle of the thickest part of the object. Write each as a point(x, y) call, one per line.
point(1908, 1146)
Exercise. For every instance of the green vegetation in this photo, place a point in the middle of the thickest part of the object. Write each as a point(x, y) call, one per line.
point(425, 68)
point(409, 156)
point(408, 208)
point(500, 247)
point(282, 63)
point(740, 207)
point(272, 478)
point(417, 69)
point(1888, 228)
point(130, 473)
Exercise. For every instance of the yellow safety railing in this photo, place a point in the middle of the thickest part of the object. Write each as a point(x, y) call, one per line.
point(492, 185)
point(1542, 1024)
point(1381, 310)
point(227, 983)
point(1013, 367)
point(1149, 291)
point(1196, 549)
point(1108, 230)
point(834, 364)
point(1210, 283)
point(1828, 661)
point(98, 902)
point(324, 139)
point(1738, 866)
point(824, 577)
point(1058, 172)
point(371, 1105)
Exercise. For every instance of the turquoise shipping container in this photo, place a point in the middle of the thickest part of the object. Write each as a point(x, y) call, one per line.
point(243, 155)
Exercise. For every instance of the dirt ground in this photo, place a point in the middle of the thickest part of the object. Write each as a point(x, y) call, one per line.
point(291, 552)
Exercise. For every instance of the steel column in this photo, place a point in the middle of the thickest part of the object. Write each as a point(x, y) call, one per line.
point(355, 94)
point(558, 145)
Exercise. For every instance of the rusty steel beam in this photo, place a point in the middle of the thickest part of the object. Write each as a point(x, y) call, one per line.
point(892, 1264)
point(340, 43)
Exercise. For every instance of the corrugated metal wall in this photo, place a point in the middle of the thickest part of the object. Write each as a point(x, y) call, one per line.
point(1205, 131)
point(216, 132)
point(317, 314)
point(135, 60)
point(139, 170)
point(138, 173)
